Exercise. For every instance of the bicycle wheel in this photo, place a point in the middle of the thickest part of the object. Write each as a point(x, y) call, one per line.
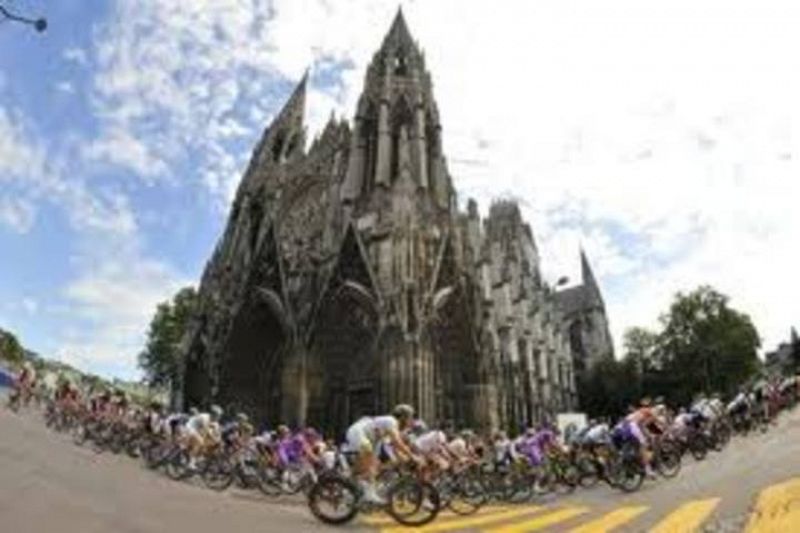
point(79, 434)
point(568, 478)
point(628, 475)
point(218, 474)
point(698, 447)
point(178, 465)
point(466, 494)
point(413, 503)
point(589, 472)
point(668, 461)
point(292, 479)
point(334, 500)
point(269, 480)
point(154, 454)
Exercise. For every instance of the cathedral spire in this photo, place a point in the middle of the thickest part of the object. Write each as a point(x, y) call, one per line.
point(398, 32)
point(589, 281)
point(286, 136)
point(296, 105)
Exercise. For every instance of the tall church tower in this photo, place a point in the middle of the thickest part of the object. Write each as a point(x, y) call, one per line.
point(400, 197)
point(396, 147)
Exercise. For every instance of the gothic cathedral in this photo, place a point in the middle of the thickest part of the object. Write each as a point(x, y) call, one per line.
point(348, 280)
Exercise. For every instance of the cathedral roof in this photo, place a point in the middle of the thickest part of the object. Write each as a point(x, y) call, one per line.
point(583, 297)
point(573, 299)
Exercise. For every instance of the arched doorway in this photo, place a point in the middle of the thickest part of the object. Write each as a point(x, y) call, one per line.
point(250, 374)
point(344, 356)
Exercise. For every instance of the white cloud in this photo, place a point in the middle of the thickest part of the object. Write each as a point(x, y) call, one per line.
point(660, 138)
point(65, 87)
point(17, 214)
point(76, 55)
point(32, 174)
point(114, 297)
point(204, 76)
point(118, 146)
point(30, 305)
point(117, 285)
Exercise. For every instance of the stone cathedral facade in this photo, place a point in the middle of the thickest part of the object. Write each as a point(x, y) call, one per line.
point(347, 279)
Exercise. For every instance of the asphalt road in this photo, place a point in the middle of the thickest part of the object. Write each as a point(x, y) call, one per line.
point(48, 484)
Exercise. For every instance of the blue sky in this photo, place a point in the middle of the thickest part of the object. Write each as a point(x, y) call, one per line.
point(660, 137)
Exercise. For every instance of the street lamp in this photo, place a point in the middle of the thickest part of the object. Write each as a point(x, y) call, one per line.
point(39, 24)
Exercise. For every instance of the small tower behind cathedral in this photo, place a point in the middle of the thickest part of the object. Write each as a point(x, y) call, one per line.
point(584, 319)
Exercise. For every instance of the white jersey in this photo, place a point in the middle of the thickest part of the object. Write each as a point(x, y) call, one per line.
point(371, 430)
point(704, 408)
point(597, 434)
point(430, 442)
point(199, 423)
point(502, 449)
point(458, 447)
point(682, 420)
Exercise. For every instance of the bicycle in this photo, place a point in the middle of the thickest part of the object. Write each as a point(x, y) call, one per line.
point(335, 499)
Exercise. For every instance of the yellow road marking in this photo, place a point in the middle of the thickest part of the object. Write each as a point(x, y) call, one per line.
point(453, 525)
point(777, 509)
point(540, 522)
point(687, 518)
point(611, 520)
point(383, 519)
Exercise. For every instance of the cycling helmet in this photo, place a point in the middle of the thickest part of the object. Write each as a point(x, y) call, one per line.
point(242, 418)
point(193, 411)
point(419, 427)
point(215, 411)
point(311, 434)
point(403, 411)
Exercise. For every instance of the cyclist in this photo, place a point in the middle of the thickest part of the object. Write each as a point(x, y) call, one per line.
point(503, 449)
point(201, 430)
point(236, 433)
point(365, 435)
point(460, 447)
point(24, 384)
point(430, 444)
point(638, 423)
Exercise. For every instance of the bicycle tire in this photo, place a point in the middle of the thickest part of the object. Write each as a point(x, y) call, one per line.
point(425, 501)
point(217, 474)
point(336, 488)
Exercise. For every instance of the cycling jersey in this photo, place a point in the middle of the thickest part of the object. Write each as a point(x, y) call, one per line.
point(458, 447)
point(199, 423)
point(530, 448)
point(367, 432)
point(292, 449)
point(502, 450)
point(430, 442)
point(598, 434)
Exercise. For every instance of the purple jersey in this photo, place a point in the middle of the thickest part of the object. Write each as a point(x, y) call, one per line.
point(531, 449)
point(545, 439)
point(290, 450)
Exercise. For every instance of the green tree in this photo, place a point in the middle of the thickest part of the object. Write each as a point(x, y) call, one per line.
point(10, 348)
point(795, 343)
point(161, 356)
point(706, 345)
point(608, 387)
point(641, 348)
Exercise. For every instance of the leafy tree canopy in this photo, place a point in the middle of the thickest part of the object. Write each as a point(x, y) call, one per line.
point(10, 348)
point(160, 358)
point(703, 345)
